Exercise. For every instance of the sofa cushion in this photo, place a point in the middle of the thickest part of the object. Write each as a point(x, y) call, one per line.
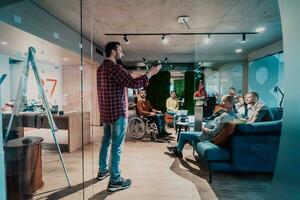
point(224, 134)
point(259, 128)
point(211, 152)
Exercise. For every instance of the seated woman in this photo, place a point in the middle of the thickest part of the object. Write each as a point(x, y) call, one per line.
point(210, 130)
point(241, 107)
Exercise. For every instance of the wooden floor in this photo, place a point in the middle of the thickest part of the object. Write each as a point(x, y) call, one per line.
point(154, 174)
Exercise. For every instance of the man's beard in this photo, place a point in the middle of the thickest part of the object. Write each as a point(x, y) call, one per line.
point(119, 62)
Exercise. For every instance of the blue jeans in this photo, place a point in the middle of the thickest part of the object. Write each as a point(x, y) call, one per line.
point(115, 133)
point(184, 137)
point(159, 121)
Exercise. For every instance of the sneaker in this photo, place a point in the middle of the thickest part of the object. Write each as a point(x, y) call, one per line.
point(122, 184)
point(102, 176)
point(176, 153)
point(166, 133)
point(172, 148)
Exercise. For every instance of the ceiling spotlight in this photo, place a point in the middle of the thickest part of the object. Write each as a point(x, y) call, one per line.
point(239, 50)
point(244, 38)
point(126, 39)
point(3, 43)
point(166, 59)
point(65, 59)
point(207, 39)
point(260, 29)
point(164, 39)
point(171, 67)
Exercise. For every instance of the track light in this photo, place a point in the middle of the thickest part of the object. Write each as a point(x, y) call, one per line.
point(244, 38)
point(126, 39)
point(164, 37)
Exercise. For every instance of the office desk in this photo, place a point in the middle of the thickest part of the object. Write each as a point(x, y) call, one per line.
point(70, 121)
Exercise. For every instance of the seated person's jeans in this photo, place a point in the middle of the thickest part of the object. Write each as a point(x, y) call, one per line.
point(185, 137)
point(159, 121)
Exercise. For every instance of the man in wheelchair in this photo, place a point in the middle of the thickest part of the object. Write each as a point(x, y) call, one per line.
point(145, 110)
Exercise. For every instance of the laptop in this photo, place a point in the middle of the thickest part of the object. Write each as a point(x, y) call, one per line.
point(181, 112)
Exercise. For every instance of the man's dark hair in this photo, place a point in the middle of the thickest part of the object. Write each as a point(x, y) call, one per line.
point(255, 94)
point(173, 91)
point(142, 90)
point(111, 46)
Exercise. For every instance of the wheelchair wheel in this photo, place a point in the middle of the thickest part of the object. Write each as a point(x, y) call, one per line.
point(152, 130)
point(136, 128)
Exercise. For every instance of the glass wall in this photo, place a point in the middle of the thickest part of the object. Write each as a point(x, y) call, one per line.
point(50, 53)
point(229, 75)
point(44, 124)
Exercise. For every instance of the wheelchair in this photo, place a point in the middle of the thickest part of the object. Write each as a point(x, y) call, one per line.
point(138, 126)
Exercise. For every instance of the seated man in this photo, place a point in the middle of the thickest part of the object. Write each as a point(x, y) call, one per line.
point(145, 109)
point(210, 130)
point(172, 103)
point(257, 111)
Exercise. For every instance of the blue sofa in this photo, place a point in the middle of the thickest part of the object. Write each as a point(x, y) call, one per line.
point(251, 148)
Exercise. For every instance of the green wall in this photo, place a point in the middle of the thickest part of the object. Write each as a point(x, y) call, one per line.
point(159, 90)
point(179, 87)
point(189, 89)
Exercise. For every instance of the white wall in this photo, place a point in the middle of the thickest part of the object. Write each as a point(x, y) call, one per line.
point(4, 69)
point(46, 71)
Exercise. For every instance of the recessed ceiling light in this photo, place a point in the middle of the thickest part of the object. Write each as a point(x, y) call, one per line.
point(207, 39)
point(164, 39)
point(260, 29)
point(239, 50)
point(65, 59)
point(3, 43)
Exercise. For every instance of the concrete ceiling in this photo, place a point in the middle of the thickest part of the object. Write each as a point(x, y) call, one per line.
point(158, 16)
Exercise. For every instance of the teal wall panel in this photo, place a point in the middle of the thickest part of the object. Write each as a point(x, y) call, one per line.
point(264, 75)
point(286, 180)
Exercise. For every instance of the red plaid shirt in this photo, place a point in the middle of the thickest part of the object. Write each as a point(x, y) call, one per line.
point(112, 83)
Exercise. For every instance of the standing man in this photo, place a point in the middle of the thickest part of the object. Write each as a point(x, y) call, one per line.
point(112, 83)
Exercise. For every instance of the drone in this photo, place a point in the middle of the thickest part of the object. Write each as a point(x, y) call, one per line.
point(149, 64)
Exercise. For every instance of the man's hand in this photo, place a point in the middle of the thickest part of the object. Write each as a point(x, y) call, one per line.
point(152, 114)
point(154, 70)
point(137, 74)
